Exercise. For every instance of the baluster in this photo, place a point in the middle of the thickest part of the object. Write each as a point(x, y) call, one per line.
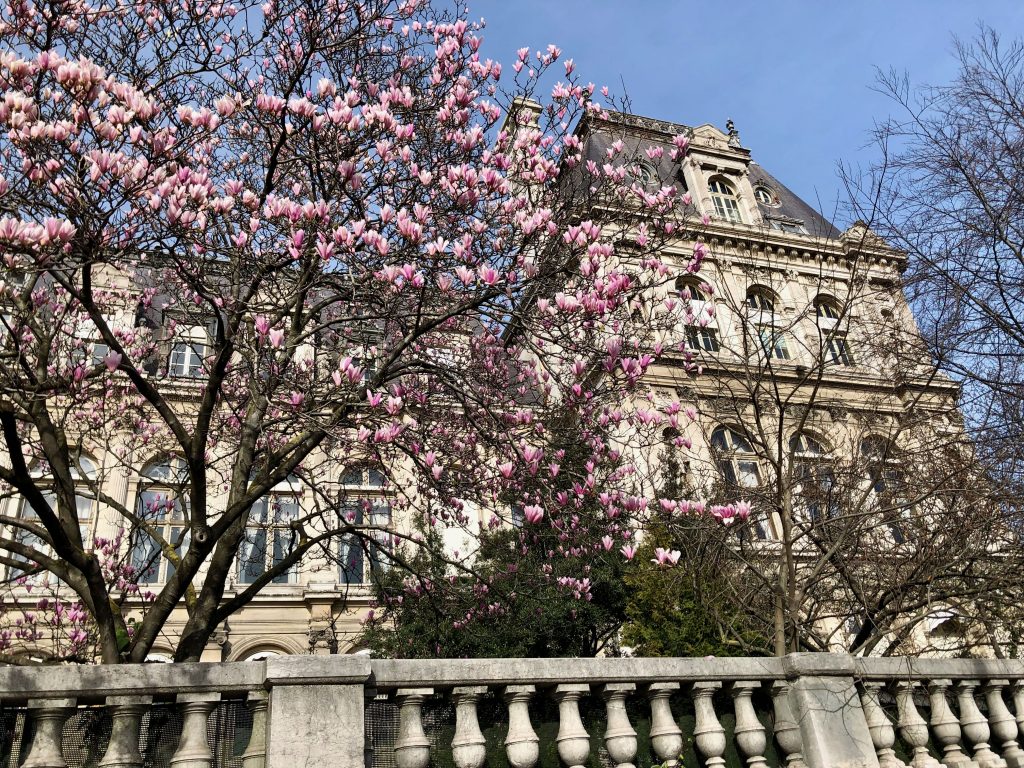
point(708, 733)
point(1002, 723)
point(521, 743)
point(469, 746)
point(666, 737)
point(619, 736)
point(193, 747)
point(412, 748)
point(882, 734)
point(975, 726)
point(913, 728)
point(1018, 703)
point(946, 726)
point(750, 735)
point(787, 732)
point(573, 740)
point(255, 755)
point(49, 716)
point(126, 717)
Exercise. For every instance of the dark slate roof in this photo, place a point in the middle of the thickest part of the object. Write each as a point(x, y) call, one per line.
point(790, 206)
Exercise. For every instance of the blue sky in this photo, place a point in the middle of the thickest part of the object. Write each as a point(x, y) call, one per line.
point(795, 77)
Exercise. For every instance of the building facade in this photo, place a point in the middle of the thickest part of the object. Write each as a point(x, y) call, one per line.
point(814, 399)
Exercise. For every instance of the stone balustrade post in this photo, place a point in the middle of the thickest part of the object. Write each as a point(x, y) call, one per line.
point(573, 740)
point(49, 716)
point(666, 737)
point(946, 726)
point(255, 755)
point(708, 732)
point(619, 736)
point(126, 718)
point(522, 747)
point(787, 732)
point(317, 710)
point(913, 728)
point(193, 747)
point(827, 709)
point(1002, 723)
point(882, 734)
point(975, 726)
point(750, 736)
point(412, 747)
point(469, 748)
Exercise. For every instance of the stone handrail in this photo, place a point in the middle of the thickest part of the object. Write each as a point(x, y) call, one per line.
point(828, 710)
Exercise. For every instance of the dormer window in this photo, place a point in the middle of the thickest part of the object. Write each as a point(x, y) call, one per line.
point(765, 196)
point(727, 205)
point(791, 226)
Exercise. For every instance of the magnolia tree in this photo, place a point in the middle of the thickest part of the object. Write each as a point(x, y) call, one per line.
point(248, 247)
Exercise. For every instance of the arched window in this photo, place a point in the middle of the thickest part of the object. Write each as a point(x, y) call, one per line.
point(161, 503)
point(816, 482)
point(84, 474)
point(269, 538)
point(364, 502)
point(835, 348)
point(735, 458)
point(761, 303)
point(723, 196)
point(761, 299)
point(765, 196)
point(699, 313)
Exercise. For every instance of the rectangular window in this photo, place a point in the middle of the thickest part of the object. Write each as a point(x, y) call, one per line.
point(773, 342)
point(148, 560)
point(356, 552)
point(705, 339)
point(837, 350)
point(726, 208)
point(186, 359)
point(270, 540)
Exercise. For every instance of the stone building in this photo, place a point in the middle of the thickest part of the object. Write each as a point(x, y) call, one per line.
point(795, 345)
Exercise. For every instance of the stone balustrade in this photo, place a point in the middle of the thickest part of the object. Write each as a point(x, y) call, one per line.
point(802, 710)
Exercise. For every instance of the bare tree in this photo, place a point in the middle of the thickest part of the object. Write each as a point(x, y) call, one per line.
point(948, 190)
point(852, 511)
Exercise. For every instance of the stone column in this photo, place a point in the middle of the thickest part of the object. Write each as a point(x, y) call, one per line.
point(708, 733)
point(787, 732)
point(666, 737)
point(49, 716)
point(975, 726)
point(255, 755)
point(882, 734)
point(1002, 723)
point(945, 726)
point(412, 748)
point(619, 736)
point(469, 746)
point(573, 740)
point(126, 717)
point(193, 747)
point(913, 728)
point(750, 736)
point(522, 747)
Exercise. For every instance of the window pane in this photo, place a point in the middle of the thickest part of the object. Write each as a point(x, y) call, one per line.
point(350, 557)
point(282, 548)
point(146, 558)
point(252, 555)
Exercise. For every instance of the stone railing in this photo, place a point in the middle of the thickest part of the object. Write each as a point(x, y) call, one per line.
point(813, 710)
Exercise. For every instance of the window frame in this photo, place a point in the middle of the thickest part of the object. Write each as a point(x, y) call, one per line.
point(725, 200)
point(145, 554)
point(274, 530)
point(364, 500)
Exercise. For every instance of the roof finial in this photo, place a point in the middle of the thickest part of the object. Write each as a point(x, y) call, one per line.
point(734, 135)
